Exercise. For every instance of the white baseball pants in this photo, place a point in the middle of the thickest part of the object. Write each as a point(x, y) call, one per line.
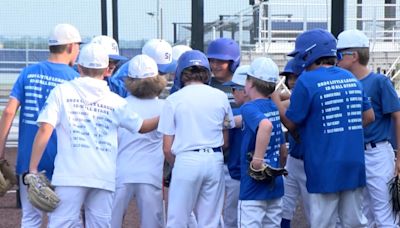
point(380, 165)
point(97, 205)
point(260, 213)
point(346, 206)
point(149, 201)
point(232, 189)
point(197, 185)
point(31, 216)
point(295, 187)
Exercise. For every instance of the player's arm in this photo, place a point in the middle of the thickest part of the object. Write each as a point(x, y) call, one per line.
point(5, 123)
point(262, 140)
point(149, 125)
point(225, 134)
point(396, 124)
point(39, 145)
point(282, 110)
point(167, 148)
point(368, 116)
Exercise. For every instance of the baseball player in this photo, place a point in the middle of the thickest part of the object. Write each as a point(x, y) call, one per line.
point(353, 47)
point(159, 50)
point(328, 104)
point(115, 59)
point(141, 181)
point(260, 203)
point(86, 115)
point(224, 57)
point(30, 92)
point(295, 181)
point(195, 153)
point(235, 141)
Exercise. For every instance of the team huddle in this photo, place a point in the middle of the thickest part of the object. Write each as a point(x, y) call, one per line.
point(102, 135)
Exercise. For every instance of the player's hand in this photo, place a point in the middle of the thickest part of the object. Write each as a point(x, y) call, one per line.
point(275, 97)
point(257, 163)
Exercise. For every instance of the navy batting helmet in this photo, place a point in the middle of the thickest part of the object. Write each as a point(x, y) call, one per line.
point(312, 45)
point(225, 49)
point(188, 59)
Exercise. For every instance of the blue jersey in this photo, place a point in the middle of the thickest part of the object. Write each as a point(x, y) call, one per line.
point(235, 143)
point(117, 81)
point(295, 148)
point(253, 113)
point(327, 105)
point(32, 89)
point(384, 101)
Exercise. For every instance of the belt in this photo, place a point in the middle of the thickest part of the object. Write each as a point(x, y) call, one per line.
point(215, 149)
point(373, 144)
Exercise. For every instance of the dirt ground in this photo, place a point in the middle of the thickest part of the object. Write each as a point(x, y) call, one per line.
point(10, 215)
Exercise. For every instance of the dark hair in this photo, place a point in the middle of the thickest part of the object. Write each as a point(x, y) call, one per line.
point(92, 72)
point(58, 49)
point(195, 73)
point(263, 87)
point(147, 87)
point(330, 60)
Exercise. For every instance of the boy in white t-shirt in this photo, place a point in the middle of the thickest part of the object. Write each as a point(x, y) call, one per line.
point(140, 156)
point(86, 116)
point(192, 122)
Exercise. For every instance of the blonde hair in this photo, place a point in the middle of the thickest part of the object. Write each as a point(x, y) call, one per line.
point(145, 88)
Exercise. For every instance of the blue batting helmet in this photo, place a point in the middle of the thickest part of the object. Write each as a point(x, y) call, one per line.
point(188, 59)
point(312, 45)
point(225, 49)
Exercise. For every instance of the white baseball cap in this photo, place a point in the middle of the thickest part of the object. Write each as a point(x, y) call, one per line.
point(177, 51)
point(264, 69)
point(159, 50)
point(110, 45)
point(93, 56)
point(64, 34)
point(239, 77)
point(352, 39)
point(142, 66)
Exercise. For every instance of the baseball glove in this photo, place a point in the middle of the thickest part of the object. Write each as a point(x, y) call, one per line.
point(394, 188)
point(167, 174)
point(267, 173)
point(7, 177)
point(40, 192)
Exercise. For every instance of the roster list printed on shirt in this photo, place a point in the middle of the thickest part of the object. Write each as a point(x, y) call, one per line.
point(89, 120)
point(341, 105)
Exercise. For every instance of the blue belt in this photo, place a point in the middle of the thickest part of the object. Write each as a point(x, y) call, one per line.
point(215, 149)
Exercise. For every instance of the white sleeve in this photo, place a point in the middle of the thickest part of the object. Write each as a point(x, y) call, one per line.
point(50, 112)
point(128, 119)
point(166, 125)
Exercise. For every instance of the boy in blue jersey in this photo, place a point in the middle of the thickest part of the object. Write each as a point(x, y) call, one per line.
point(260, 203)
point(295, 181)
point(353, 47)
point(235, 141)
point(30, 92)
point(328, 109)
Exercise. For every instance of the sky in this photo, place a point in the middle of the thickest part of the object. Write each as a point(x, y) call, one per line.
point(35, 18)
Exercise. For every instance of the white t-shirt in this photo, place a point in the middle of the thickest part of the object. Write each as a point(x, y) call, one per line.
point(86, 115)
point(140, 156)
point(195, 115)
